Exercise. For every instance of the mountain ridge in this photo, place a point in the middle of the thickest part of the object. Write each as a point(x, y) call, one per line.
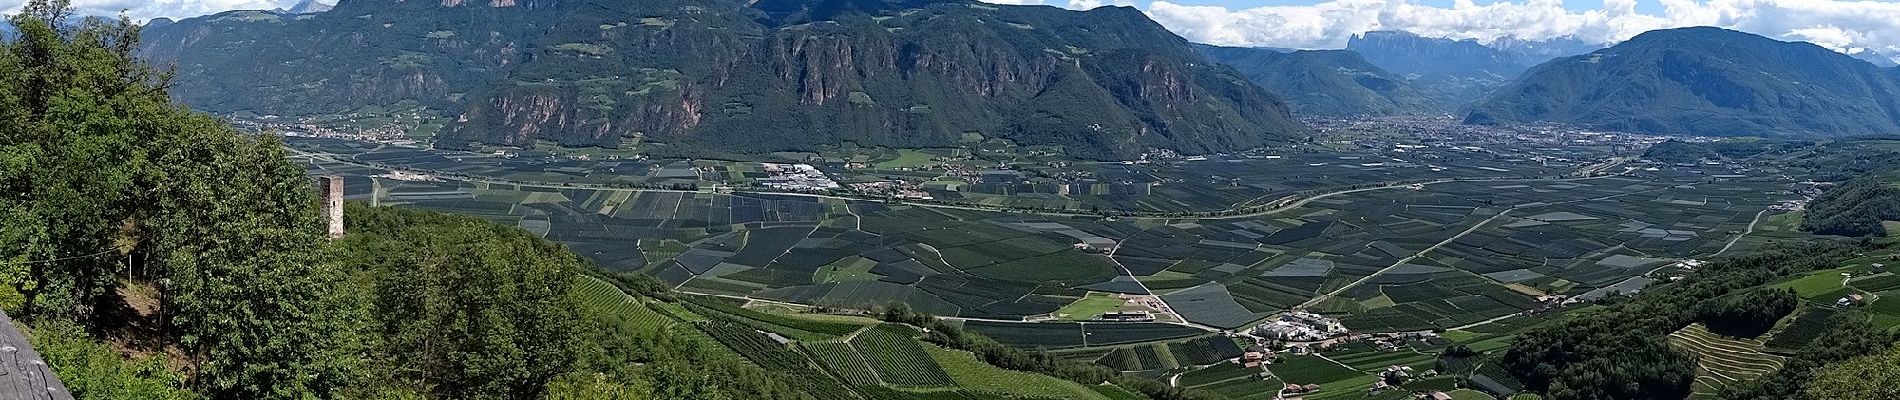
point(1705, 81)
point(718, 75)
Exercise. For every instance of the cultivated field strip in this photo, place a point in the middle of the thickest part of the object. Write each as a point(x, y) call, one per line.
point(1725, 361)
point(843, 360)
point(604, 296)
point(899, 360)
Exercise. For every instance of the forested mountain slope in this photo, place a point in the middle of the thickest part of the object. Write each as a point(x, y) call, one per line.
point(1705, 81)
point(729, 75)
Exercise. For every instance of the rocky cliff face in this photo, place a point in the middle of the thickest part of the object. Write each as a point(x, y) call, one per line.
point(727, 75)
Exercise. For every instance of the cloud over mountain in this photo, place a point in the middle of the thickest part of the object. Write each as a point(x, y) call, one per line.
point(1846, 26)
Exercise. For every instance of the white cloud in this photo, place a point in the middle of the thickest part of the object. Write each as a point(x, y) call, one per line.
point(1848, 26)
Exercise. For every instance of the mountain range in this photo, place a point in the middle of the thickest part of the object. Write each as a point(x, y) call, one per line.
point(1453, 73)
point(307, 7)
point(719, 76)
point(1328, 82)
point(1705, 81)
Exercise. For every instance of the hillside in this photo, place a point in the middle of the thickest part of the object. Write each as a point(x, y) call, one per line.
point(1705, 81)
point(723, 75)
point(1326, 82)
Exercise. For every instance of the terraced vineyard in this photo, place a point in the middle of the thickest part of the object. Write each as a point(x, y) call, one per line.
point(898, 359)
point(1724, 361)
point(604, 296)
point(972, 373)
point(843, 361)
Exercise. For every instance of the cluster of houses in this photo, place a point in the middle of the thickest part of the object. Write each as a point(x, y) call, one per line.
point(898, 188)
point(796, 177)
point(1300, 326)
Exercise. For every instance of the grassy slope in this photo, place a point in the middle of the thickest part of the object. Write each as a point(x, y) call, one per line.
point(972, 373)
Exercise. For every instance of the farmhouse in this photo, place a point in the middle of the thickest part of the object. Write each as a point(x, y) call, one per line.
point(1128, 316)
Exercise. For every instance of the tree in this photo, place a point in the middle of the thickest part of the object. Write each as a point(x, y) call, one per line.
point(1870, 377)
point(73, 107)
point(98, 165)
point(1748, 314)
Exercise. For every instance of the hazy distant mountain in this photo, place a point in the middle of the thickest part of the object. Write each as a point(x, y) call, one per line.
point(1326, 82)
point(1406, 53)
point(1533, 52)
point(308, 7)
point(1454, 73)
point(1705, 81)
point(720, 76)
point(1879, 59)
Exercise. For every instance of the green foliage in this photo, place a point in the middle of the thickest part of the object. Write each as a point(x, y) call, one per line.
point(477, 310)
point(91, 370)
point(1854, 208)
point(1848, 335)
point(1621, 353)
point(1870, 377)
point(1750, 313)
point(97, 158)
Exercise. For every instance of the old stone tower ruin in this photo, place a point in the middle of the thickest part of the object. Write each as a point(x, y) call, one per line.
point(331, 186)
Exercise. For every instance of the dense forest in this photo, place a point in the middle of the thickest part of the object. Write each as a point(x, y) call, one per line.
point(1854, 208)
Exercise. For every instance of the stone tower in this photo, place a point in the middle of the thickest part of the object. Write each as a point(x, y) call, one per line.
point(331, 186)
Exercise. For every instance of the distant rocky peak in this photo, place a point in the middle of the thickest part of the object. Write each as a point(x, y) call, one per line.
point(308, 7)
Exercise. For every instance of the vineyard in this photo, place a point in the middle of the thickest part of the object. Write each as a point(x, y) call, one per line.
point(898, 359)
point(842, 360)
point(790, 365)
point(1810, 325)
point(970, 372)
point(603, 296)
point(1724, 361)
point(790, 327)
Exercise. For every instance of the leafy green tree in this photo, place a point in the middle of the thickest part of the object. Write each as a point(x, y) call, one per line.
point(99, 167)
point(73, 112)
point(1750, 313)
point(472, 309)
point(92, 370)
point(1870, 377)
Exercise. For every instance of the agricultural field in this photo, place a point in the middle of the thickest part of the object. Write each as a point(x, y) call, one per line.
point(1433, 237)
point(898, 359)
point(1057, 335)
point(969, 372)
point(1724, 361)
point(1336, 381)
